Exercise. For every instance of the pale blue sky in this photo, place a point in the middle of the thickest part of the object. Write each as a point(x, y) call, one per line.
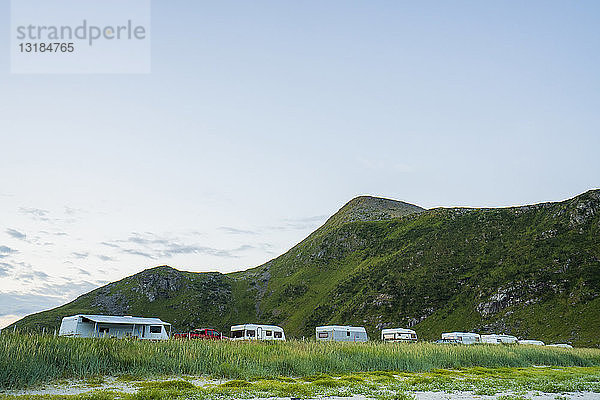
point(260, 119)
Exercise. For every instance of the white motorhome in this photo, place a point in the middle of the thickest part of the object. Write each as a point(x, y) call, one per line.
point(338, 333)
point(561, 345)
point(532, 342)
point(398, 335)
point(99, 326)
point(257, 332)
point(498, 339)
point(462, 337)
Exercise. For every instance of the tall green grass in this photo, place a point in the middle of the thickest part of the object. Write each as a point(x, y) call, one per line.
point(31, 359)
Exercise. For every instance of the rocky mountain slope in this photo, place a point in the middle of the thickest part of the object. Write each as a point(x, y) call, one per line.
point(531, 271)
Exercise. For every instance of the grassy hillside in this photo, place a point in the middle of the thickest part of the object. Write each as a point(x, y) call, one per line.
point(531, 271)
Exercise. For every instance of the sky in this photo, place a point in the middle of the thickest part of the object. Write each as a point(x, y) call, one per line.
point(261, 119)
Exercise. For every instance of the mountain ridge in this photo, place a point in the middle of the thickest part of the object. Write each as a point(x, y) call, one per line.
point(530, 270)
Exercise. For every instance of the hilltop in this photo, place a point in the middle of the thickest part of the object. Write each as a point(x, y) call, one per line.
point(368, 208)
point(532, 271)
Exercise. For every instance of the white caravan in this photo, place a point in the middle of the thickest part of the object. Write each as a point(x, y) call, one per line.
point(257, 332)
point(462, 337)
point(532, 342)
point(338, 333)
point(110, 326)
point(498, 339)
point(562, 345)
point(398, 335)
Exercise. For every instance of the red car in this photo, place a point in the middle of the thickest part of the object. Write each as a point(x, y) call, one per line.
point(202, 333)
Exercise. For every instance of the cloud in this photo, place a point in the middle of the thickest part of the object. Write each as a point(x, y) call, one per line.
point(40, 274)
point(73, 211)
point(4, 250)
point(78, 270)
point(66, 290)
point(14, 303)
point(23, 271)
point(36, 213)
point(290, 224)
point(43, 298)
point(116, 246)
point(6, 320)
point(299, 223)
point(154, 247)
point(138, 253)
point(266, 247)
point(15, 265)
point(16, 234)
point(105, 258)
point(32, 276)
point(236, 231)
point(5, 268)
point(53, 233)
point(83, 271)
point(80, 255)
point(39, 214)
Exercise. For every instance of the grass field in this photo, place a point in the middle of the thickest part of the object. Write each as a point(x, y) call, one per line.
point(27, 360)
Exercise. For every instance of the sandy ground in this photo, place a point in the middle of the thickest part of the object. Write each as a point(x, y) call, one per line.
point(75, 387)
point(111, 383)
point(471, 396)
point(530, 395)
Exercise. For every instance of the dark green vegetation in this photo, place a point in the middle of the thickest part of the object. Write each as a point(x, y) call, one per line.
point(31, 359)
point(531, 271)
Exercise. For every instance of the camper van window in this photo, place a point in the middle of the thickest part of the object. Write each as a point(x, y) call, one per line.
point(388, 336)
point(155, 329)
point(323, 335)
point(237, 334)
point(348, 333)
point(268, 333)
point(413, 335)
point(250, 333)
point(278, 335)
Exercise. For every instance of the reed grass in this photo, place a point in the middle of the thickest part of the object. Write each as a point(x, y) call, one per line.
point(31, 359)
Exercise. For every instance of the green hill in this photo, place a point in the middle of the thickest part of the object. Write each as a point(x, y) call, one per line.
point(532, 271)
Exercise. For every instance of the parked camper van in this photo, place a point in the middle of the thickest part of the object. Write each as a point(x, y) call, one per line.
point(462, 337)
point(338, 333)
point(562, 345)
point(257, 332)
point(98, 326)
point(398, 335)
point(532, 342)
point(498, 339)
